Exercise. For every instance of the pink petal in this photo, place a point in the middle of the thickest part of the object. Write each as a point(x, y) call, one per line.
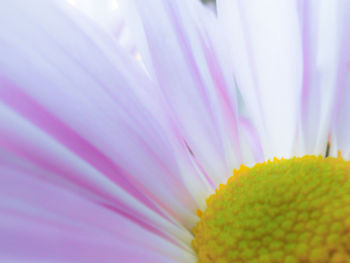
point(184, 52)
point(40, 221)
point(71, 104)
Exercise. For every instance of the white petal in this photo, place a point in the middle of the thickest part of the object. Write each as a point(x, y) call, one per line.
point(266, 51)
point(340, 137)
point(320, 30)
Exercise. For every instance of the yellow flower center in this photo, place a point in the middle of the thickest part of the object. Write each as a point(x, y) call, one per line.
point(295, 210)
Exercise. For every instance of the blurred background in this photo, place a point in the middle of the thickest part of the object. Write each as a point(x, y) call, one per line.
point(209, 1)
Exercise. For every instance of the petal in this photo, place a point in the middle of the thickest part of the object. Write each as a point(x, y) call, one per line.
point(340, 137)
point(71, 102)
point(184, 52)
point(107, 15)
point(286, 57)
point(320, 41)
point(266, 51)
point(41, 222)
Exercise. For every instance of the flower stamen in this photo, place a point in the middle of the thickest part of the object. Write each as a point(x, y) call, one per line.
point(288, 210)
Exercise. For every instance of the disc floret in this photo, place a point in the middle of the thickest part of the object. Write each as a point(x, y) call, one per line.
point(295, 210)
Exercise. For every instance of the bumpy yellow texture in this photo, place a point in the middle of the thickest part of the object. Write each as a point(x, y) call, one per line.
point(295, 210)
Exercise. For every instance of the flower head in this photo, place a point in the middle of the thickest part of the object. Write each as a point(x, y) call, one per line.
point(109, 146)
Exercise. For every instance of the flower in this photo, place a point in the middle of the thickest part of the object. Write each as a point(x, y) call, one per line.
point(106, 160)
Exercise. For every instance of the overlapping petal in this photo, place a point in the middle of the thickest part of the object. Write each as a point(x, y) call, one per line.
point(77, 106)
point(320, 29)
point(43, 221)
point(285, 57)
point(103, 160)
point(340, 135)
point(185, 52)
point(266, 50)
point(107, 15)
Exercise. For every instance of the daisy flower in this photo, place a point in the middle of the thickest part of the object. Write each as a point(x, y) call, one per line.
point(204, 137)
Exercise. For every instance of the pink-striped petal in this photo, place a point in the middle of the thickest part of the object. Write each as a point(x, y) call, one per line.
point(43, 222)
point(71, 103)
point(185, 53)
